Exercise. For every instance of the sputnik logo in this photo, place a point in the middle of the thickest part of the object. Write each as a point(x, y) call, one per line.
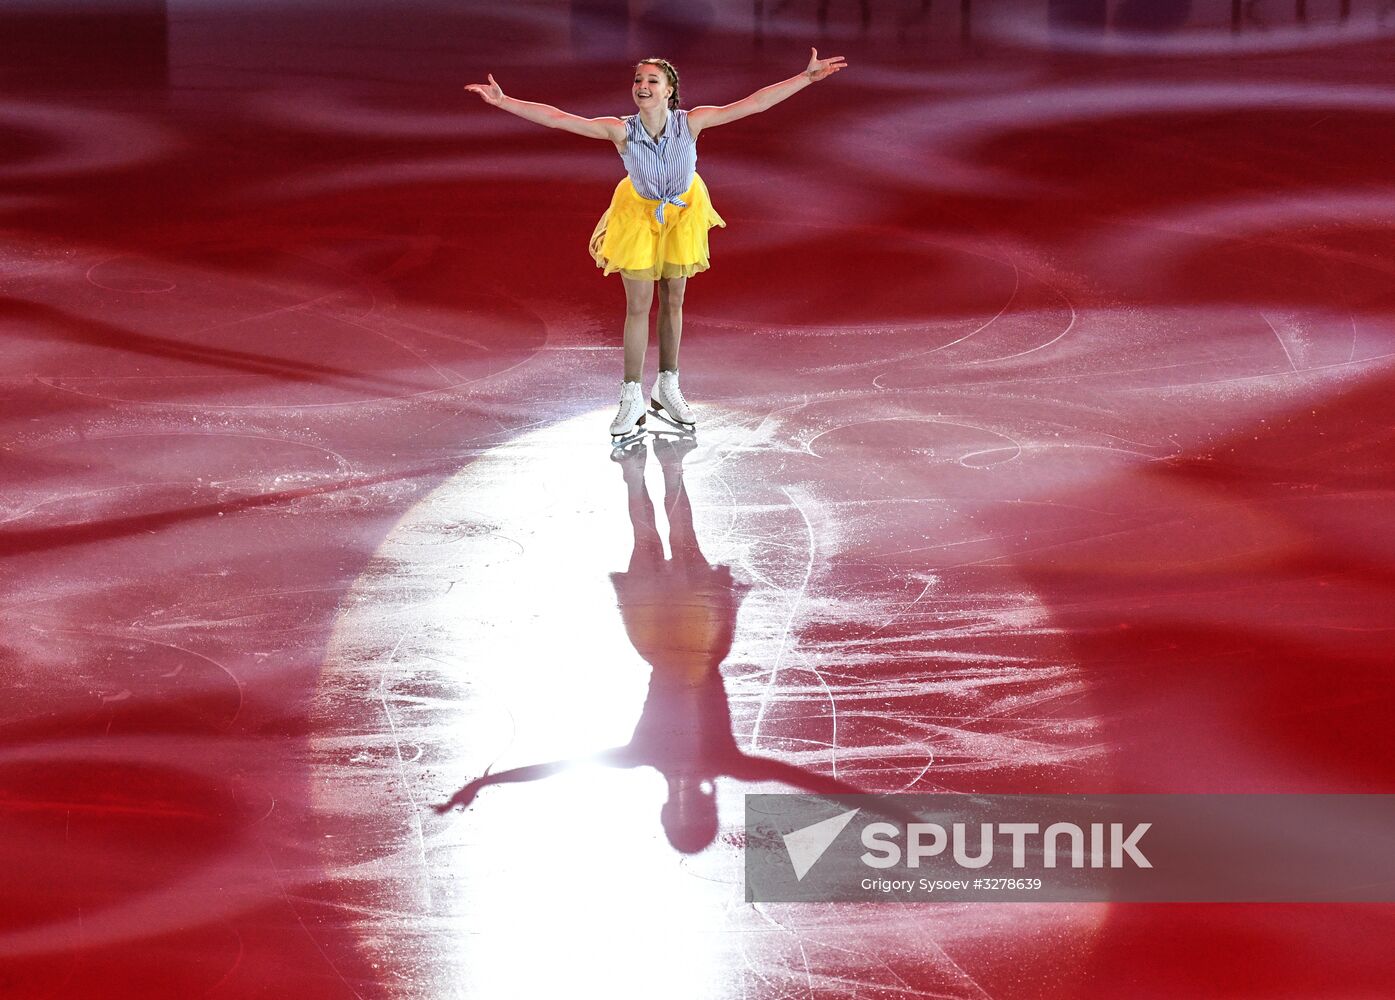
point(807, 844)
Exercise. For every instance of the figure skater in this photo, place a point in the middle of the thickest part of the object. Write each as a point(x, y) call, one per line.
point(656, 227)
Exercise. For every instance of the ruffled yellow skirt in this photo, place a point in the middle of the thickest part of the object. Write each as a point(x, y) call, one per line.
point(630, 240)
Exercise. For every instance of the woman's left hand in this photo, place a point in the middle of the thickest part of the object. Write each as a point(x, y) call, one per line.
point(820, 68)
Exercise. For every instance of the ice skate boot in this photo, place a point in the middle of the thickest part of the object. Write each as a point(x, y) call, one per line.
point(628, 425)
point(667, 403)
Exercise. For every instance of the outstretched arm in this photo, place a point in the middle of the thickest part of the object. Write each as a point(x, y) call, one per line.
point(767, 97)
point(749, 767)
point(545, 114)
point(617, 757)
point(753, 768)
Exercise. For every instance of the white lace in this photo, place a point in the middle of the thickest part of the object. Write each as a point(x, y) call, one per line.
point(631, 408)
point(672, 397)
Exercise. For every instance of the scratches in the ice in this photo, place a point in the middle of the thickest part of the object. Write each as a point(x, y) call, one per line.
point(1268, 377)
point(401, 768)
point(1070, 325)
point(930, 582)
point(1279, 337)
point(808, 973)
point(290, 902)
point(832, 715)
point(796, 603)
point(233, 966)
point(974, 983)
point(1007, 304)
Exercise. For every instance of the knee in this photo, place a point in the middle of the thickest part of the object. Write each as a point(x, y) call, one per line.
point(638, 307)
point(672, 302)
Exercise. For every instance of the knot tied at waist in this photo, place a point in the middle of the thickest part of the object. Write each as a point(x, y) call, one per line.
point(669, 200)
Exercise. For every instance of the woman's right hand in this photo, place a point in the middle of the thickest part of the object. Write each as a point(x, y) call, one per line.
point(491, 92)
point(462, 798)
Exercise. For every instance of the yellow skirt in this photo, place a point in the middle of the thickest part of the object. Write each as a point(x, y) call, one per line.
point(630, 240)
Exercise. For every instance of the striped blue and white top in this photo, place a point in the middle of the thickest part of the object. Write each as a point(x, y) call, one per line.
point(663, 169)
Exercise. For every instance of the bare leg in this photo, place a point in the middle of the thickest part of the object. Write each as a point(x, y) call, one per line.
point(682, 538)
point(670, 321)
point(648, 549)
point(639, 298)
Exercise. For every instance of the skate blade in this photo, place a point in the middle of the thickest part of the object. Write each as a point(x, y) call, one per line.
point(682, 428)
point(620, 442)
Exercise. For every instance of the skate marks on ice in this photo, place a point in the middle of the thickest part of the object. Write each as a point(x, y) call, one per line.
point(1310, 267)
point(248, 328)
point(945, 152)
point(520, 615)
point(679, 612)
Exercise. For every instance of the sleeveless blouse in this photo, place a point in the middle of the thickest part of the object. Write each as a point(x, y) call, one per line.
point(661, 170)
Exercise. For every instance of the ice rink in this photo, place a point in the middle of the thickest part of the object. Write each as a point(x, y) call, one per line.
point(1045, 372)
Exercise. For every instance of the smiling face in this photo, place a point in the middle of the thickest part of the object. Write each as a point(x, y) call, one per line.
point(651, 87)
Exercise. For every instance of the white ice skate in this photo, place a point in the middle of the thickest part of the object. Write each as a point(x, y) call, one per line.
point(667, 403)
point(628, 425)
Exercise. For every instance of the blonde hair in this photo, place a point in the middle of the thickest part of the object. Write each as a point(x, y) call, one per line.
point(669, 72)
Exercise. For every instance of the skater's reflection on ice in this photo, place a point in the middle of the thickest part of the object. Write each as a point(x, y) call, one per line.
point(680, 615)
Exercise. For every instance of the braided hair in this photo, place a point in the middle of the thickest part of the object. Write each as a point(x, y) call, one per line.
point(669, 72)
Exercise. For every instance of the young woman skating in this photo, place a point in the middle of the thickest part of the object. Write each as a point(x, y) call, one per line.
point(655, 230)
